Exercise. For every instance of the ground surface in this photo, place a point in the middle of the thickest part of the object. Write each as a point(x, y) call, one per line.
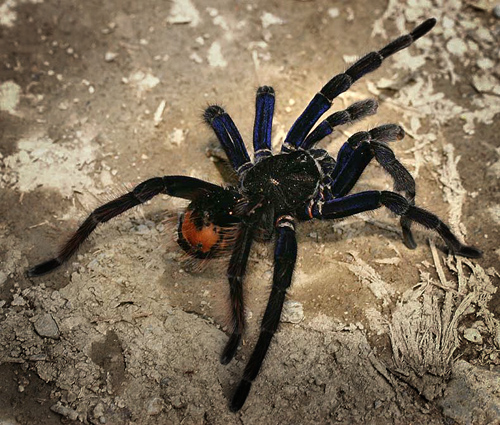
point(97, 96)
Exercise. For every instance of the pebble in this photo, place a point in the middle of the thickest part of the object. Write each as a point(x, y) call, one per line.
point(293, 312)
point(456, 46)
point(9, 96)
point(485, 63)
point(65, 411)
point(195, 57)
point(110, 56)
point(333, 12)
point(496, 11)
point(268, 19)
point(473, 335)
point(155, 406)
point(46, 326)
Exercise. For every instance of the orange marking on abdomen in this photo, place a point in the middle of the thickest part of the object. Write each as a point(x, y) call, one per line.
point(202, 239)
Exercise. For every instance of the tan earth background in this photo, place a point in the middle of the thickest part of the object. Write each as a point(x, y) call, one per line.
point(98, 96)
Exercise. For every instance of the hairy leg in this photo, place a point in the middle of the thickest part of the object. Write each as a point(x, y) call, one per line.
point(371, 200)
point(285, 255)
point(264, 110)
point(235, 273)
point(354, 112)
point(229, 137)
point(178, 186)
point(322, 101)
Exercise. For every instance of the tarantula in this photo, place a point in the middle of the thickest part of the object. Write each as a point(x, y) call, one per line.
point(274, 192)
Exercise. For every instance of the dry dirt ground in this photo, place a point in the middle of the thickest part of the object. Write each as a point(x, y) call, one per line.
point(97, 96)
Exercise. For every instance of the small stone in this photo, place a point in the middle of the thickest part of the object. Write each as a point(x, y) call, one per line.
point(195, 57)
point(9, 96)
point(483, 83)
point(496, 11)
point(99, 410)
point(456, 46)
point(110, 56)
point(485, 63)
point(485, 35)
point(473, 335)
point(176, 137)
point(155, 406)
point(293, 312)
point(18, 300)
point(333, 12)
point(267, 19)
point(46, 327)
point(65, 411)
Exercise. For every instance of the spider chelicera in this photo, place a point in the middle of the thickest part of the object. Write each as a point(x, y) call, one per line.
point(273, 192)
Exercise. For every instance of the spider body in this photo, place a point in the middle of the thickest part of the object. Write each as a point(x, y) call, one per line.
point(274, 192)
point(285, 182)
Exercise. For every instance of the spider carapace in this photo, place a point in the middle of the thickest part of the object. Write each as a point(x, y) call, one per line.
point(274, 192)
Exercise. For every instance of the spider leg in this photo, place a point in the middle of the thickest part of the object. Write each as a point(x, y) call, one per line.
point(371, 200)
point(355, 155)
point(285, 254)
point(229, 137)
point(322, 101)
point(360, 149)
point(264, 110)
point(403, 182)
point(354, 112)
point(178, 186)
point(235, 273)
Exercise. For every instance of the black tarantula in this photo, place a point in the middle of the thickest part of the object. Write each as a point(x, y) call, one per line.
point(276, 191)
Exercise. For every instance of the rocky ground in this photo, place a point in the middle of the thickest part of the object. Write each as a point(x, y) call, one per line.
point(97, 96)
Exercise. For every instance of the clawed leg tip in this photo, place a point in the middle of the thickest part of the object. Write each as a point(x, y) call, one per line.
point(31, 272)
point(43, 268)
point(234, 408)
point(230, 348)
point(212, 112)
point(469, 252)
point(410, 243)
point(240, 396)
point(265, 90)
point(225, 359)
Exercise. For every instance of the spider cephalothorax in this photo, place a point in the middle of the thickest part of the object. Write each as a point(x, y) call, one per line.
point(275, 191)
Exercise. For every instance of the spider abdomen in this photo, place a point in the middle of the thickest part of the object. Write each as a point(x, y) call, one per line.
point(285, 181)
point(208, 226)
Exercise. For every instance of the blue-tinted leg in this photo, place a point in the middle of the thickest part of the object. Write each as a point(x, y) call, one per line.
point(352, 170)
point(264, 109)
point(341, 82)
point(229, 137)
point(354, 164)
point(359, 150)
point(285, 255)
point(371, 200)
point(353, 113)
